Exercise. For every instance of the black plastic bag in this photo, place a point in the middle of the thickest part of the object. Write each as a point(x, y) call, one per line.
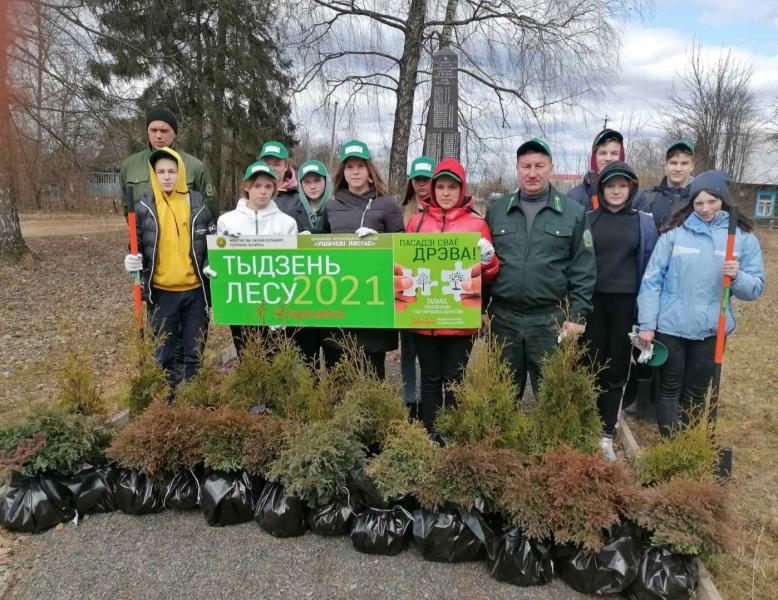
point(138, 494)
point(34, 503)
point(332, 519)
point(279, 513)
point(363, 491)
point(94, 488)
point(519, 560)
point(664, 575)
point(608, 571)
point(182, 492)
point(228, 498)
point(379, 531)
point(447, 536)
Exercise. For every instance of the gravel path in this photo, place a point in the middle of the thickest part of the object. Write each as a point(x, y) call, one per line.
point(176, 555)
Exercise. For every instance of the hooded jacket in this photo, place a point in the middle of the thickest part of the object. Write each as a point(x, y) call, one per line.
point(646, 230)
point(681, 289)
point(461, 219)
point(201, 224)
point(307, 218)
point(663, 201)
point(266, 221)
point(585, 193)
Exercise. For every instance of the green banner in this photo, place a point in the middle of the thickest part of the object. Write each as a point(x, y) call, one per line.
point(404, 281)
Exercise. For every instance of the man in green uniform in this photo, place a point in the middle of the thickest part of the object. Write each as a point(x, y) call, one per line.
point(546, 257)
point(161, 130)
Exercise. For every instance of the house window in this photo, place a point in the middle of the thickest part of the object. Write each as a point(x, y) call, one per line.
point(765, 205)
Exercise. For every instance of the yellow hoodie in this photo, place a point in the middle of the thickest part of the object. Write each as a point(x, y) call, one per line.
point(173, 270)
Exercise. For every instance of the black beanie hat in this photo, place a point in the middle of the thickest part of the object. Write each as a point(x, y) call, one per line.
point(160, 113)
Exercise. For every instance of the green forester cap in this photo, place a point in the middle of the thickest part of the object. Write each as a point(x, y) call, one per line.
point(312, 167)
point(684, 145)
point(354, 149)
point(259, 168)
point(274, 148)
point(536, 144)
point(453, 176)
point(423, 166)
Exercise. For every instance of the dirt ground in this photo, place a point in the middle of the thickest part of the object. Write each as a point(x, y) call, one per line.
point(77, 295)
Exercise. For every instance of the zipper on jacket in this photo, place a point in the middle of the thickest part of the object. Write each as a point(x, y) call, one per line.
point(153, 256)
point(194, 255)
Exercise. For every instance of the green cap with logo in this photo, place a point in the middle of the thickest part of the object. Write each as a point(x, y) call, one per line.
point(259, 168)
point(312, 167)
point(354, 149)
point(684, 145)
point(275, 149)
point(453, 176)
point(423, 166)
point(536, 144)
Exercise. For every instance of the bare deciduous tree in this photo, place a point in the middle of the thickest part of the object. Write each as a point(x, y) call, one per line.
point(518, 60)
point(716, 107)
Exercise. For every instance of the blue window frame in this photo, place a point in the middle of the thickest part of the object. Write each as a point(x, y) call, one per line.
point(765, 205)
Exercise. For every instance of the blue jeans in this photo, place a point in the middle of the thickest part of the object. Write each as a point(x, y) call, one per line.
point(182, 317)
point(408, 366)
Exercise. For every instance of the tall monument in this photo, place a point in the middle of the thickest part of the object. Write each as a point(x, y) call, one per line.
point(441, 137)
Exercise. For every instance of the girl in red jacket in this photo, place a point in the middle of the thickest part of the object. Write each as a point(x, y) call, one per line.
point(443, 353)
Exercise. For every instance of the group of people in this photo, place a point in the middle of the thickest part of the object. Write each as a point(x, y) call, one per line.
point(613, 254)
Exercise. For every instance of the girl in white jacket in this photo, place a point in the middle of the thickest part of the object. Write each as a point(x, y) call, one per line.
point(255, 214)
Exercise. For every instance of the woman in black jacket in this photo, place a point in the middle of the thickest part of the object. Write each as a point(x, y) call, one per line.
point(362, 205)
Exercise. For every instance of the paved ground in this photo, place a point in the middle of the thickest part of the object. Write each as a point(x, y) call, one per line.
point(174, 555)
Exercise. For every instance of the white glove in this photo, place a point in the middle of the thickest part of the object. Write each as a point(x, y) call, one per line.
point(306, 232)
point(645, 353)
point(487, 250)
point(133, 263)
point(365, 231)
point(209, 272)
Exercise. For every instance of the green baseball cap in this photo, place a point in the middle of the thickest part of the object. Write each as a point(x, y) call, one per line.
point(259, 168)
point(608, 134)
point(423, 166)
point(312, 167)
point(617, 172)
point(659, 357)
point(274, 148)
point(354, 149)
point(453, 176)
point(160, 153)
point(684, 145)
point(536, 144)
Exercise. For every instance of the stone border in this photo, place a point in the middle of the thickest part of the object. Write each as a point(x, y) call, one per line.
point(706, 589)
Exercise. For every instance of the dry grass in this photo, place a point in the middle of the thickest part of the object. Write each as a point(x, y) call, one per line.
point(748, 422)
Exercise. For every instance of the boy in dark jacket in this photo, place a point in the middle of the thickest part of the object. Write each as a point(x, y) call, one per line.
point(173, 223)
point(672, 194)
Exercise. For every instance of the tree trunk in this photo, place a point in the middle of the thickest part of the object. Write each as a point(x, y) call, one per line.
point(12, 243)
point(219, 101)
point(403, 114)
point(448, 28)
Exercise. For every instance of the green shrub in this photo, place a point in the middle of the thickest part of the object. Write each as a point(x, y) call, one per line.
point(406, 460)
point(314, 467)
point(264, 440)
point(204, 389)
point(368, 410)
point(161, 440)
point(147, 381)
point(222, 439)
point(691, 517)
point(463, 475)
point(53, 440)
point(486, 406)
point(270, 371)
point(566, 413)
point(689, 453)
point(78, 389)
point(570, 496)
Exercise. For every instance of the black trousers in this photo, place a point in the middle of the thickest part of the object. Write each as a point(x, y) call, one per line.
point(684, 380)
point(315, 341)
point(609, 350)
point(442, 359)
point(182, 317)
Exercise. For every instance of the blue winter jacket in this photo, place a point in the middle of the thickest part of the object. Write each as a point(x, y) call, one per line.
point(681, 289)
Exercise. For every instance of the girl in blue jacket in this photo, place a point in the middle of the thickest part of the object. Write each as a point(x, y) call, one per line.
point(681, 292)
